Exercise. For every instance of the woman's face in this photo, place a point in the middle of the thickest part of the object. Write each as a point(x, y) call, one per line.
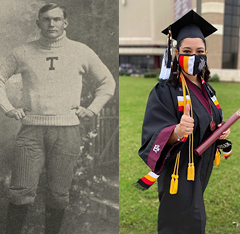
point(191, 46)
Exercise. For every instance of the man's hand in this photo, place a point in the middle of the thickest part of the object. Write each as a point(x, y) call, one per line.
point(82, 112)
point(18, 113)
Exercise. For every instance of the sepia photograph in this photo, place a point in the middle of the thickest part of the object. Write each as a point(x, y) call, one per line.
point(59, 117)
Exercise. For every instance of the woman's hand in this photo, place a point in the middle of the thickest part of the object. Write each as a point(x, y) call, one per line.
point(225, 134)
point(185, 127)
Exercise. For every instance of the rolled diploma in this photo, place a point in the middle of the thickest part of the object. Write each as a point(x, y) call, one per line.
point(214, 136)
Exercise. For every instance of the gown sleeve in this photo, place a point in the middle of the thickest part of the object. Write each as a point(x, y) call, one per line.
point(159, 122)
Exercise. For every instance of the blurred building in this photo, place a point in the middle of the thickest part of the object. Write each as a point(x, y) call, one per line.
point(142, 44)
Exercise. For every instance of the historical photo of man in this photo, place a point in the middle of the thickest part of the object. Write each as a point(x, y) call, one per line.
point(53, 69)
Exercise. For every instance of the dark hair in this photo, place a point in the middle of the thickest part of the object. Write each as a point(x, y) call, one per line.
point(51, 6)
point(173, 79)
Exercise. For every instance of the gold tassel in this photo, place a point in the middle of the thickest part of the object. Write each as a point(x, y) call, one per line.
point(174, 180)
point(217, 158)
point(191, 172)
point(176, 184)
point(172, 185)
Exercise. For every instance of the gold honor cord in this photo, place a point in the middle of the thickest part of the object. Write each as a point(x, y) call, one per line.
point(191, 168)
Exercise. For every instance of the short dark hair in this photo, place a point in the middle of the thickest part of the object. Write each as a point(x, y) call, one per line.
point(51, 6)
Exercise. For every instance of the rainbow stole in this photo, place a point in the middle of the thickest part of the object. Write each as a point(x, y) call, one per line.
point(212, 96)
point(146, 181)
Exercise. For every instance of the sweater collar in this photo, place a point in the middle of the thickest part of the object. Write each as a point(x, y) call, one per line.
point(53, 43)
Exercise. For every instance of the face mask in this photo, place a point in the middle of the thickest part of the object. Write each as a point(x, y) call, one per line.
point(192, 64)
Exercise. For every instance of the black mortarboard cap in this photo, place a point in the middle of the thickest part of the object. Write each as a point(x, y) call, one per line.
point(191, 25)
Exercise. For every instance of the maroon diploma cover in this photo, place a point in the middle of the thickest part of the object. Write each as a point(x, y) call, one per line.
point(214, 136)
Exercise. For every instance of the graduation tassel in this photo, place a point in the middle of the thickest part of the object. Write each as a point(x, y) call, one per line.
point(167, 59)
point(217, 157)
point(175, 176)
point(169, 49)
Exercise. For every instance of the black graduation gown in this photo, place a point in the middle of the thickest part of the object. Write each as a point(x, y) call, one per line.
point(184, 212)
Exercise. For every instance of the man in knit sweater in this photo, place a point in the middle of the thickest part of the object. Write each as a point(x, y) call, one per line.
point(52, 69)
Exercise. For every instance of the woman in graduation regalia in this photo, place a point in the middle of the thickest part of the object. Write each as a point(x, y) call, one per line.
point(181, 113)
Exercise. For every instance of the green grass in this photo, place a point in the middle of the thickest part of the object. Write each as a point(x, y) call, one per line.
point(138, 209)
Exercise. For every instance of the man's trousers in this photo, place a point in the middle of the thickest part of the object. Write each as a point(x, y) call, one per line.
point(55, 147)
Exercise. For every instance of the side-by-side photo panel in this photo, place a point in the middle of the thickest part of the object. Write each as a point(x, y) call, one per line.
point(59, 117)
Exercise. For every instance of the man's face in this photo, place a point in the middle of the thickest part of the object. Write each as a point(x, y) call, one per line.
point(52, 23)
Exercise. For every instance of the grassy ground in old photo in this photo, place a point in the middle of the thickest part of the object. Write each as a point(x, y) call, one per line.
point(138, 209)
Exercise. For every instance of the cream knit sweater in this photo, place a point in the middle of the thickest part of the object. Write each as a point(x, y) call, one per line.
point(52, 80)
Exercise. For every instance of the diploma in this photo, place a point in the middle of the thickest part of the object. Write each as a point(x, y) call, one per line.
point(215, 135)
